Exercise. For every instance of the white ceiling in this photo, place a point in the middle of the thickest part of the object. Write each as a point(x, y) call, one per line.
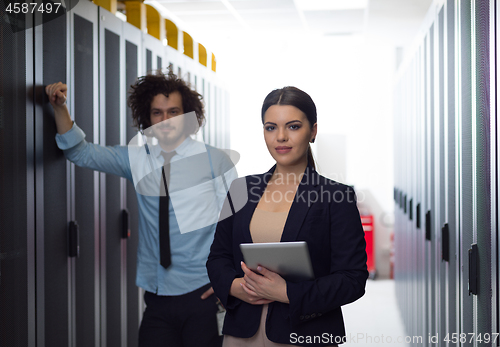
point(395, 20)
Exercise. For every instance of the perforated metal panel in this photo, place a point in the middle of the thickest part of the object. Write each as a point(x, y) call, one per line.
point(466, 195)
point(85, 199)
point(426, 187)
point(459, 176)
point(131, 63)
point(432, 184)
point(483, 165)
point(149, 61)
point(112, 191)
point(55, 205)
point(441, 267)
point(420, 194)
point(453, 272)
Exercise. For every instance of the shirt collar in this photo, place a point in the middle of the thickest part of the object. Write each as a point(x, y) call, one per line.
point(181, 150)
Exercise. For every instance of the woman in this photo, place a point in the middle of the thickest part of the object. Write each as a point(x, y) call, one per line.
point(291, 202)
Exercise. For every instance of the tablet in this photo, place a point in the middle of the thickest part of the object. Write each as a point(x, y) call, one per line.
point(289, 259)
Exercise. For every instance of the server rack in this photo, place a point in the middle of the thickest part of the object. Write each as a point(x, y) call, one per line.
point(111, 122)
point(54, 281)
point(134, 302)
point(51, 295)
point(84, 107)
point(454, 191)
point(17, 163)
point(153, 52)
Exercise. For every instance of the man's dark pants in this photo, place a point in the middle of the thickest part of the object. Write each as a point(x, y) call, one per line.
point(180, 321)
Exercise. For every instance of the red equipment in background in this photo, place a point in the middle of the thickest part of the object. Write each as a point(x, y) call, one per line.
point(368, 227)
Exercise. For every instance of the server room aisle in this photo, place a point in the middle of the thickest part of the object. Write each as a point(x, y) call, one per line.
point(375, 320)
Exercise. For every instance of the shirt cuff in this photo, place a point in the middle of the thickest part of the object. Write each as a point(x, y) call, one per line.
point(70, 138)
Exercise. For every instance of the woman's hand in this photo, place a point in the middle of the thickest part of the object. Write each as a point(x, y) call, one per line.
point(270, 285)
point(238, 292)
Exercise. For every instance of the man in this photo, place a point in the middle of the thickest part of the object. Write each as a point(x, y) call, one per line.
point(171, 179)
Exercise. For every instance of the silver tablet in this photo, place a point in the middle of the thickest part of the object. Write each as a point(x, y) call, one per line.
point(289, 259)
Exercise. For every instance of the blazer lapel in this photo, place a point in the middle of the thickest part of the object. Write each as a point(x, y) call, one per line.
point(256, 186)
point(301, 203)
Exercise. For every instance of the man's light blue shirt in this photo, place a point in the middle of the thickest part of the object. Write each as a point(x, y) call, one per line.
point(189, 250)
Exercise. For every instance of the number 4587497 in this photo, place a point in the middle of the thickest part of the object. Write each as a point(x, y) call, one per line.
point(24, 7)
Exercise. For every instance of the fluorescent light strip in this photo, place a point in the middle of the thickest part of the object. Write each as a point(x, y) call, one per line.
point(330, 5)
point(235, 13)
point(301, 15)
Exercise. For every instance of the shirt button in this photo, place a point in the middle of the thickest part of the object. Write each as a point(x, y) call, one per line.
point(313, 315)
point(320, 314)
point(301, 317)
point(307, 316)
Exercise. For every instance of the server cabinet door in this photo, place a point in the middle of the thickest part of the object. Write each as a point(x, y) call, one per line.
point(172, 58)
point(485, 164)
point(53, 193)
point(210, 113)
point(412, 194)
point(153, 54)
point(83, 94)
point(441, 180)
point(466, 164)
point(135, 304)
point(17, 189)
point(205, 93)
point(430, 185)
point(420, 197)
point(452, 175)
point(112, 188)
point(189, 70)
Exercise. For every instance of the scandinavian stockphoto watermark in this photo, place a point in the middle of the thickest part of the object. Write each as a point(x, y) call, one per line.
point(320, 194)
point(203, 177)
point(22, 15)
point(202, 174)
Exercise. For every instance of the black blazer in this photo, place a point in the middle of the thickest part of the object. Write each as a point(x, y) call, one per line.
point(324, 214)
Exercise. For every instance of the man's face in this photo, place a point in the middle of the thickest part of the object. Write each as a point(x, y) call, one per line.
point(167, 127)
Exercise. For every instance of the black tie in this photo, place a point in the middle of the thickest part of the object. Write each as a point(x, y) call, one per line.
point(165, 258)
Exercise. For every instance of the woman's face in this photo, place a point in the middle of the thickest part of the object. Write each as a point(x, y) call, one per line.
point(287, 133)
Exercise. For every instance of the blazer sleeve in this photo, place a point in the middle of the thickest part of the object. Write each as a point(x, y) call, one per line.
point(348, 271)
point(220, 263)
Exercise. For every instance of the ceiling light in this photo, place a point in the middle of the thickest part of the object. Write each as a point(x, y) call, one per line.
point(329, 5)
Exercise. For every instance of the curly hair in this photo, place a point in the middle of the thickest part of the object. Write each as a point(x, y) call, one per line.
point(147, 87)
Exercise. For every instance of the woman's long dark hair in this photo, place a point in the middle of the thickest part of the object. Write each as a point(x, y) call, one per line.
point(293, 96)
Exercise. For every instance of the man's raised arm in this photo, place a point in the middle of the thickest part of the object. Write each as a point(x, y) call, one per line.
point(57, 97)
